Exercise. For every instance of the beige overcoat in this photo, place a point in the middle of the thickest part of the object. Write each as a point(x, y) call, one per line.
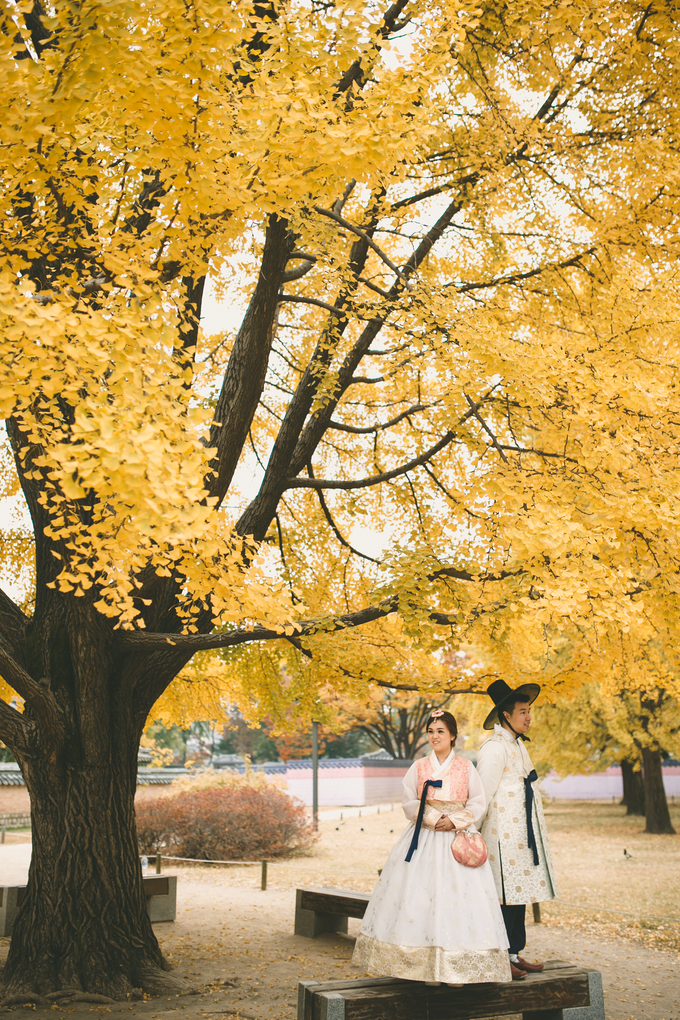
point(503, 763)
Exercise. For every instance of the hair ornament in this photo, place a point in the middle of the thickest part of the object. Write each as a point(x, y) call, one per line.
point(438, 714)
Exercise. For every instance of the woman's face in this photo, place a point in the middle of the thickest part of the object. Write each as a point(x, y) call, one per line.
point(438, 736)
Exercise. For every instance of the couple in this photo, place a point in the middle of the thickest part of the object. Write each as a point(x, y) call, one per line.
point(433, 919)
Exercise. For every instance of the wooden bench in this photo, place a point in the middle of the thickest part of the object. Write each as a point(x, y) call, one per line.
point(160, 892)
point(560, 992)
point(319, 910)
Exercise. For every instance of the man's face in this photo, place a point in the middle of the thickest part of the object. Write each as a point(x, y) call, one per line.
point(519, 718)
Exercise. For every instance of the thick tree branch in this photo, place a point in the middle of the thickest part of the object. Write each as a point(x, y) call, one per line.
point(34, 693)
point(297, 274)
point(247, 368)
point(13, 622)
point(259, 514)
point(148, 641)
point(355, 74)
point(14, 729)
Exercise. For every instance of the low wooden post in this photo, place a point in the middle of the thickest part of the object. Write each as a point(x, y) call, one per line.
point(315, 776)
point(263, 882)
point(2, 834)
point(158, 864)
point(537, 912)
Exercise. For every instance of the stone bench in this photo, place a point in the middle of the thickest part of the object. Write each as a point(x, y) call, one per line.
point(560, 992)
point(319, 910)
point(160, 892)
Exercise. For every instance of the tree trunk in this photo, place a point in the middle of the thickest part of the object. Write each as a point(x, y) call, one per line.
point(83, 924)
point(656, 806)
point(633, 789)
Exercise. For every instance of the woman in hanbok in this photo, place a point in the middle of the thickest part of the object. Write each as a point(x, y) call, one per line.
point(430, 918)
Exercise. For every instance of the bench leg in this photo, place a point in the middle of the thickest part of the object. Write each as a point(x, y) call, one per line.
point(331, 1006)
point(544, 1014)
point(305, 996)
point(311, 923)
point(9, 905)
point(595, 1011)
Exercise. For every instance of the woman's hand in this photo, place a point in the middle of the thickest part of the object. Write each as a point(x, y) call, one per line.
point(444, 824)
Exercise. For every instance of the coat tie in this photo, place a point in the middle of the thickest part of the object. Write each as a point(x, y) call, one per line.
point(529, 801)
point(421, 811)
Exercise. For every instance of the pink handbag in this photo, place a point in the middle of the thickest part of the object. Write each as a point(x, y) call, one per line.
point(469, 849)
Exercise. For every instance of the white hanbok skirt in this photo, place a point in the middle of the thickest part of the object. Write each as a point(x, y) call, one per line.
point(433, 919)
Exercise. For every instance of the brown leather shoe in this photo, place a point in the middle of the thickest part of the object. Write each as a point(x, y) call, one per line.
point(517, 974)
point(533, 968)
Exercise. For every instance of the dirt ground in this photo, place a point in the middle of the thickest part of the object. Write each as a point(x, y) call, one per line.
point(235, 943)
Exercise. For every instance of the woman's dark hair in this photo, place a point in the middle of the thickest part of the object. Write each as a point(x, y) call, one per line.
point(511, 703)
point(449, 722)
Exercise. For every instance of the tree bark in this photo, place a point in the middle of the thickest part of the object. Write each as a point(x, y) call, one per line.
point(656, 806)
point(633, 789)
point(83, 924)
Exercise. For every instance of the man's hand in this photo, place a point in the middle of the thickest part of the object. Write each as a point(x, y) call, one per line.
point(444, 824)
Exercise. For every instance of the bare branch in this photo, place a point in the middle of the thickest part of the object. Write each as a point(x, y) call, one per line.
point(302, 300)
point(148, 641)
point(376, 290)
point(421, 196)
point(363, 483)
point(365, 237)
point(299, 436)
point(336, 531)
point(511, 278)
point(358, 431)
point(477, 415)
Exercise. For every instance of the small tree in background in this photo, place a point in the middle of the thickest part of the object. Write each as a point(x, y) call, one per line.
point(392, 720)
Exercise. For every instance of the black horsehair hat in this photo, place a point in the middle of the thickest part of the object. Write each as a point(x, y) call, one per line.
point(500, 692)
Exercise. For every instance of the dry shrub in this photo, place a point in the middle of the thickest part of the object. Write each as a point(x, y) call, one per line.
point(230, 820)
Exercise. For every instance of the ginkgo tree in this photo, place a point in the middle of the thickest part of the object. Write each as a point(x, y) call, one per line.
point(452, 232)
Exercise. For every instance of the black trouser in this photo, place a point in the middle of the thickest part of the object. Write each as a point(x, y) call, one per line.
point(515, 927)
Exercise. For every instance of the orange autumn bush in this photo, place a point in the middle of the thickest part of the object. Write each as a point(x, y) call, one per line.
point(225, 823)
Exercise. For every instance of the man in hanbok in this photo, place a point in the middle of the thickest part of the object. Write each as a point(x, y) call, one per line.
point(514, 826)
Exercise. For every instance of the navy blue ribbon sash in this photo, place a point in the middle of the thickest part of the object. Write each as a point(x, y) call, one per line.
point(529, 798)
point(419, 821)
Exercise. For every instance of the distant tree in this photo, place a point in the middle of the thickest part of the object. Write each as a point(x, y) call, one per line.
point(393, 720)
point(633, 787)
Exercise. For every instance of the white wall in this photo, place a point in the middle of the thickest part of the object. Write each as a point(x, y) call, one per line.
point(350, 790)
point(600, 785)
